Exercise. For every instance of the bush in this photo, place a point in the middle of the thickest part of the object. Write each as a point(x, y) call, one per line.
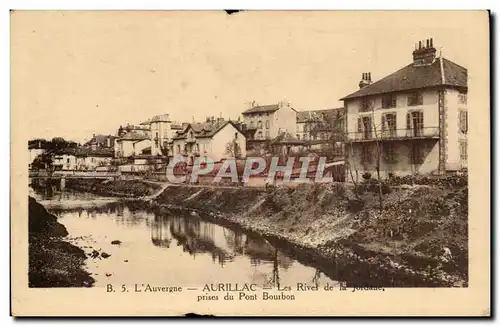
point(367, 175)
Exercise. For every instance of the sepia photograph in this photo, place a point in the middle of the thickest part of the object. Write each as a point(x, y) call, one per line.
point(250, 162)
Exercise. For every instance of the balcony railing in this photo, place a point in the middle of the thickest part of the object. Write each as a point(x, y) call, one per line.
point(394, 134)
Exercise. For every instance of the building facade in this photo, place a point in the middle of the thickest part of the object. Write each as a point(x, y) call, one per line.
point(269, 121)
point(413, 121)
point(161, 134)
point(130, 144)
point(215, 139)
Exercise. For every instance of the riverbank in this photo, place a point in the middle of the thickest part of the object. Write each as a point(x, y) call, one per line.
point(53, 262)
point(418, 239)
point(114, 188)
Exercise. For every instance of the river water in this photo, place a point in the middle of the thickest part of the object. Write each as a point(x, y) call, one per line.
point(165, 249)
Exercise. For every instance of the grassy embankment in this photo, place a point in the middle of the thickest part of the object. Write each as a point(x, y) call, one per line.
point(117, 188)
point(402, 245)
point(53, 262)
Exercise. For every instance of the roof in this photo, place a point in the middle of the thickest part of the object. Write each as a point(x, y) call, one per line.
point(132, 127)
point(416, 77)
point(317, 115)
point(133, 136)
point(100, 152)
point(262, 109)
point(100, 139)
point(161, 118)
point(205, 129)
point(286, 138)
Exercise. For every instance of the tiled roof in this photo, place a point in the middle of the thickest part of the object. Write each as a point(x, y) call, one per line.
point(317, 115)
point(415, 77)
point(286, 138)
point(133, 136)
point(99, 152)
point(100, 139)
point(204, 130)
point(262, 109)
point(161, 118)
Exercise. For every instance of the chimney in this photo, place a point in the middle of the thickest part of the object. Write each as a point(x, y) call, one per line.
point(366, 79)
point(425, 53)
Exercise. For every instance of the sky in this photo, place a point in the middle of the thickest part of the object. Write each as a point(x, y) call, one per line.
point(79, 73)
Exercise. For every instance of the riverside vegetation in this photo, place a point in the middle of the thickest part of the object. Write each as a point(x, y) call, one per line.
point(53, 262)
point(419, 238)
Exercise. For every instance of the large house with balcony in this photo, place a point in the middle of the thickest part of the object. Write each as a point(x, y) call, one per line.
point(413, 121)
point(216, 139)
point(266, 122)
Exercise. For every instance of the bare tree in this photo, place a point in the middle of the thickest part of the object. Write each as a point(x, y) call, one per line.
point(378, 155)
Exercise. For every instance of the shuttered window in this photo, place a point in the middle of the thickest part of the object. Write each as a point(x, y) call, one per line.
point(463, 122)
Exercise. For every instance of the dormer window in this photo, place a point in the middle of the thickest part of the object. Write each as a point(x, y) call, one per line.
point(415, 98)
point(389, 101)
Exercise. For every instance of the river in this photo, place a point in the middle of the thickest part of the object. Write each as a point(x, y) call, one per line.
point(166, 249)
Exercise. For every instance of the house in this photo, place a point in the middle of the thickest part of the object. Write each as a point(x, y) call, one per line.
point(322, 124)
point(214, 139)
point(65, 160)
point(268, 121)
point(131, 143)
point(286, 145)
point(101, 141)
point(88, 159)
point(35, 148)
point(415, 118)
point(141, 129)
point(161, 134)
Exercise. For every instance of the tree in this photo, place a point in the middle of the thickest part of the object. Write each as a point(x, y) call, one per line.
point(378, 155)
point(233, 149)
point(44, 161)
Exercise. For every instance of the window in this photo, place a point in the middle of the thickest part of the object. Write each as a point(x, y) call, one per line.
point(156, 136)
point(267, 134)
point(415, 98)
point(462, 98)
point(415, 123)
point(366, 105)
point(259, 124)
point(463, 121)
point(267, 124)
point(67, 160)
point(178, 149)
point(463, 150)
point(389, 153)
point(366, 155)
point(298, 136)
point(365, 127)
point(251, 125)
point(389, 124)
point(197, 147)
point(389, 101)
point(416, 153)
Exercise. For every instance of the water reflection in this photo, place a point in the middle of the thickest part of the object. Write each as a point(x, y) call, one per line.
point(197, 236)
point(157, 235)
